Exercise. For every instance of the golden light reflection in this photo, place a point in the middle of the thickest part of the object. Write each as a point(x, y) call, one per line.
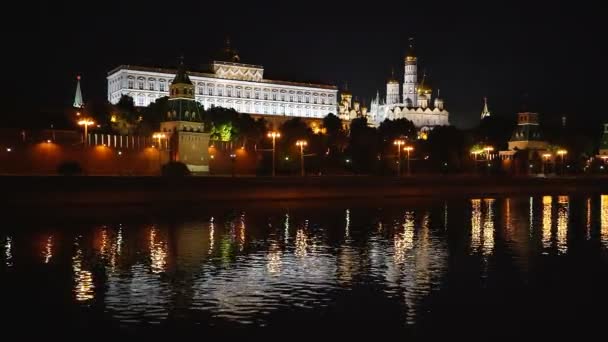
point(211, 235)
point(158, 252)
point(546, 232)
point(8, 251)
point(604, 220)
point(83, 279)
point(301, 243)
point(588, 223)
point(563, 213)
point(48, 249)
point(274, 259)
point(475, 224)
point(241, 238)
point(488, 228)
point(404, 241)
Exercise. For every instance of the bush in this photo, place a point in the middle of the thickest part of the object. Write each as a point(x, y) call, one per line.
point(175, 169)
point(69, 168)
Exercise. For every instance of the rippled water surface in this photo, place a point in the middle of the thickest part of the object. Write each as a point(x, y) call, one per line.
point(487, 264)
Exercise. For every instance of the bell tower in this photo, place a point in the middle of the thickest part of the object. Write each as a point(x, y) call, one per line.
point(410, 78)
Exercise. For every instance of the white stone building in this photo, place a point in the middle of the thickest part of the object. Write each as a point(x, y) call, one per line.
point(228, 84)
point(415, 103)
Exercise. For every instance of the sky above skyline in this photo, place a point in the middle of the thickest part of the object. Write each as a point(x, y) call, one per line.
point(502, 50)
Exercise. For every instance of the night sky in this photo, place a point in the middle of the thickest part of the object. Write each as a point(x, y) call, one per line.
point(504, 52)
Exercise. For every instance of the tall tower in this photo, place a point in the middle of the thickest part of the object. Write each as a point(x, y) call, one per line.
point(78, 102)
point(183, 125)
point(410, 77)
point(485, 112)
point(392, 89)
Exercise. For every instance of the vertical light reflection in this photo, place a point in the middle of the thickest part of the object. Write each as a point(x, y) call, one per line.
point(488, 228)
point(48, 250)
point(604, 220)
point(404, 241)
point(588, 223)
point(563, 213)
point(8, 251)
point(211, 235)
point(83, 279)
point(347, 228)
point(547, 221)
point(273, 264)
point(475, 224)
point(158, 252)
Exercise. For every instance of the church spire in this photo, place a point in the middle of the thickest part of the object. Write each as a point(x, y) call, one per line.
point(78, 102)
point(485, 112)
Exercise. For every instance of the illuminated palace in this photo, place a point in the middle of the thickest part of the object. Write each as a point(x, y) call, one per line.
point(414, 102)
point(228, 83)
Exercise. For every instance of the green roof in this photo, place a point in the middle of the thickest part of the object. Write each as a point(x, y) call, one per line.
point(182, 76)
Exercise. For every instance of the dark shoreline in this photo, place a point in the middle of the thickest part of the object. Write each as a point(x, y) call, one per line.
point(40, 191)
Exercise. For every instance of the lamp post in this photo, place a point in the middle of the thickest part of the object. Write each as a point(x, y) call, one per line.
point(86, 123)
point(399, 143)
point(408, 149)
point(562, 153)
point(488, 149)
point(274, 135)
point(301, 144)
point(546, 157)
point(233, 160)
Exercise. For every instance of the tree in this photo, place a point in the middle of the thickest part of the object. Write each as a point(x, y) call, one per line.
point(363, 146)
point(124, 117)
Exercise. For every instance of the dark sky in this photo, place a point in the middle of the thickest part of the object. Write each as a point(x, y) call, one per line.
point(499, 50)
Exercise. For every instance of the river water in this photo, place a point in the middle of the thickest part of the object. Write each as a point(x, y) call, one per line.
point(425, 267)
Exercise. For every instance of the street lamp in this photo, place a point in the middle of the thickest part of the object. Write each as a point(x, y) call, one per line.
point(546, 157)
point(86, 123)
point(562, 153)
point(301, 144)
point(399, 143)
point(274, 135)
point(408, 149)
point(233, 159)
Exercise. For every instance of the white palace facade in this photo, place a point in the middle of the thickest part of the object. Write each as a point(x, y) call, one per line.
point(227, 84)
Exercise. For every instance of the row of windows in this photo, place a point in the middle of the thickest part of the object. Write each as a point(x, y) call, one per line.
point(230, 91)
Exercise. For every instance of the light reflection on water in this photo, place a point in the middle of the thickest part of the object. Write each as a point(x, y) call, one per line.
point(244, 268)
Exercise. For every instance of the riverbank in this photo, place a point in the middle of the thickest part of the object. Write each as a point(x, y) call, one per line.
point(85, 191)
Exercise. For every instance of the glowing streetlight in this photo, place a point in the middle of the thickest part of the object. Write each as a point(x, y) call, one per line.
point(562, 153)
point(399, 143)
point(86, 123)
point(274, 135)
point(233, 160)
point(408, 149)
point(301, 144)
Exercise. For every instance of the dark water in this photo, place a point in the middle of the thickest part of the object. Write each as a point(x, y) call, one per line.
point(469, 267)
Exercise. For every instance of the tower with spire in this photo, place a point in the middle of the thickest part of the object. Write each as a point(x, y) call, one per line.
point(78, 102)
point(485, 112)
point(410, 77)
point(183, 125)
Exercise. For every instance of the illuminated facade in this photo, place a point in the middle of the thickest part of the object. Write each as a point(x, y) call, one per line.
point(416, 102)
point(230, 84)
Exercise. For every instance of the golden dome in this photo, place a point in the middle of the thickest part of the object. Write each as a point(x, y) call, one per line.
point(392, 81)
